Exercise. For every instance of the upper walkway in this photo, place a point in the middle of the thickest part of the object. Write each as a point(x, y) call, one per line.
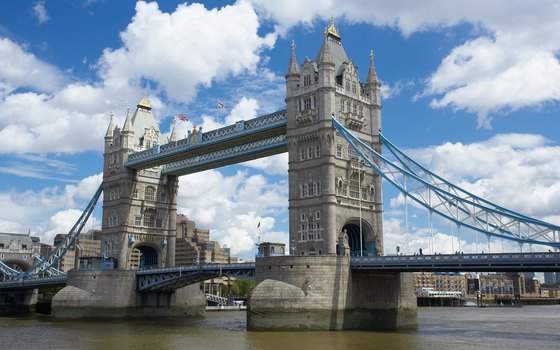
point(245, 140)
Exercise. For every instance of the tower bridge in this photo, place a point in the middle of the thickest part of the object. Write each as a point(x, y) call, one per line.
point(331, 131)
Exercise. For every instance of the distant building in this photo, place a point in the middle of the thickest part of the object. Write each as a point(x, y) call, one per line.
point(441, 282)
point(17, 250)
point(271, 249)
point(88, 245)
point(194, 246)
point(551, 278)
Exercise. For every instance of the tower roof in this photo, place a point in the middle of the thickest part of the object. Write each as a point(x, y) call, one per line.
point(337, 53)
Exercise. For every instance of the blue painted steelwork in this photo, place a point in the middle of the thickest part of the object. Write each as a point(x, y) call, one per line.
point(451, 202)
point(8, 271)
point(47, 267)
point(240, 133)
point(169, 279)
point(236, 154)
point(505, 262)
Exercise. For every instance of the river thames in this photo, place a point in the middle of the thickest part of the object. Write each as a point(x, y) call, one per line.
point(528, 327)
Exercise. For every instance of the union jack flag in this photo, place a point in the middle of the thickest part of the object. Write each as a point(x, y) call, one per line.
point(221, 104)
point(183, 118)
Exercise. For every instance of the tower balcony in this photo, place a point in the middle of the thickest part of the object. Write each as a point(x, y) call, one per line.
point(353, 121)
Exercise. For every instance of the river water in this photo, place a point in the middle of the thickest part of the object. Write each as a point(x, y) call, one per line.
point(528, 327)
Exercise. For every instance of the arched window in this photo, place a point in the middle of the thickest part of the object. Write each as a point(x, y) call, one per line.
point(150, 193)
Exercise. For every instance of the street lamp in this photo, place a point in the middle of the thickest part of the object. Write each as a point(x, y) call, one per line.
point(360, 201)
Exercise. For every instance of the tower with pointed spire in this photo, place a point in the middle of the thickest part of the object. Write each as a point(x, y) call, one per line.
point(139, 207)
point(333, 196)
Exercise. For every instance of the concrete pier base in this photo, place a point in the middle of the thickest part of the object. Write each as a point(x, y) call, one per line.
point(322, 293)
point(112, 293)
point(18, 302)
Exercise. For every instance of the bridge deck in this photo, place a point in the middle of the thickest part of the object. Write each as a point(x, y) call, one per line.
point(503, 262)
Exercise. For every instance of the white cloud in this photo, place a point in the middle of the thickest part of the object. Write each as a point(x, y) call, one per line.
point(19, 68)
point(40, 12)
point(232, 206)
point(273, 165)
point(512, 64)
point(180, 51)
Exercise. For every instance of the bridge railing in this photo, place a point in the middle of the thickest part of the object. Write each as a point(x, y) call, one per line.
point(200, 267)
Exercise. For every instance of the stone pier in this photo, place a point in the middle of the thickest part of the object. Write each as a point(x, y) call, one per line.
point(112, 294)
point(322, 293)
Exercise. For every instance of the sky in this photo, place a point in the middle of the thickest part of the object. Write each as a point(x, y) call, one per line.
point(470, 89)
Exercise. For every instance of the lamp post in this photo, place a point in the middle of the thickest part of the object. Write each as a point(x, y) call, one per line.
point(360, 201)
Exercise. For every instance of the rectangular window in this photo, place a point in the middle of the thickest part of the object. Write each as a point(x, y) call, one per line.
point(354, 191)
point(352, 155)
point(314, 102)
point(311, 190)
point(302, 217)
point(307, 80)
point(311, 152)
point(318, 188)
point(137, 221)
point(317, 151)
point(307, 104)
point(302, 154)
point(339, 151)
point(317, 215)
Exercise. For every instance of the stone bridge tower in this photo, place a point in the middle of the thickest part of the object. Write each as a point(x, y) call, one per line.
point(330, 189)
point(139, 207)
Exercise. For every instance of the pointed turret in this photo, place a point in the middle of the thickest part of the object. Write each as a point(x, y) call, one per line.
point(292, 76)
point(293, 68)
point(372, 74)
point(324, 56)
point(109, 133)
point(127, 127)
point(173, 136)
point(127, 132)
point(110, 128)
point(373, 86)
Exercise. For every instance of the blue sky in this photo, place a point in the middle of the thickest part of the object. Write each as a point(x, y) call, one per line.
point(470, 88)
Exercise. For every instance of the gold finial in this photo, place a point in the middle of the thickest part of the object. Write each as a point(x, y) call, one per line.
point(332, 29)
point(144, 101)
